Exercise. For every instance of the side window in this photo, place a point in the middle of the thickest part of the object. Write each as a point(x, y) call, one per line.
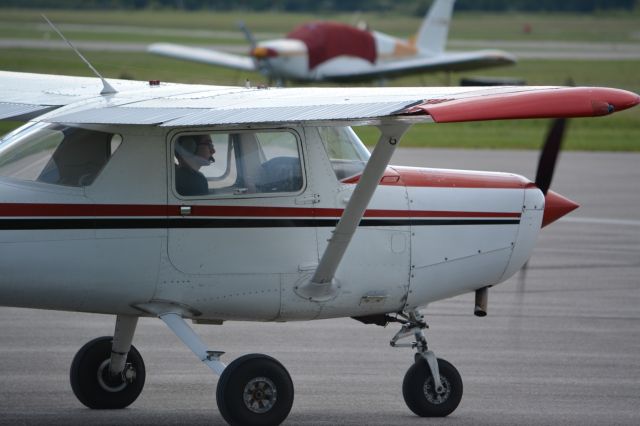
point(57, 154)
point(236, 164)
point(346, 152)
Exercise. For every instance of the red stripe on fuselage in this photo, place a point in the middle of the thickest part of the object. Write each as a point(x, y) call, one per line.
point(143, 210)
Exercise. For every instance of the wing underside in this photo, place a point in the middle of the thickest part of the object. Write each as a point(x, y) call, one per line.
point(22, 112)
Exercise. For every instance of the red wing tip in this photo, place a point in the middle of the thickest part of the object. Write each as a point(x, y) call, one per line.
point(620, 100)
point(552, 102)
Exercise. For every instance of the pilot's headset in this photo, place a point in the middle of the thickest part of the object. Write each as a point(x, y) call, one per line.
point(186, 149)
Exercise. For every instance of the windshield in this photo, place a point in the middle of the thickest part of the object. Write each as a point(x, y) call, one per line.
point(56, 154)
point(346, 152)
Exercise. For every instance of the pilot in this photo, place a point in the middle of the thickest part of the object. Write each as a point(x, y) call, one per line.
point(193, 152)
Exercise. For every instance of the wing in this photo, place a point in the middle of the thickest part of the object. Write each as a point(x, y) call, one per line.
point(443, 62)
point(77, 100)
point(206, 56)
point(14, 105)
point(24, 95)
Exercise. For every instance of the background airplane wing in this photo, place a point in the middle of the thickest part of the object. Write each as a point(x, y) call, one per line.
point(206, 56)
point(171, 105)
point(449, 61)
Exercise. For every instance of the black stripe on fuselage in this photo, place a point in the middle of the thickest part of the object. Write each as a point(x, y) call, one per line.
point(155, 223)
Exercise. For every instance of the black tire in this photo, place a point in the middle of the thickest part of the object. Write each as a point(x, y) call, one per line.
point(91, 382)
point(255, 389)
point(419, 393)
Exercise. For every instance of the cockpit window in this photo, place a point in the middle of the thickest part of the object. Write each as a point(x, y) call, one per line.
point(238, 163)
point(346, 152)
point(57, 154)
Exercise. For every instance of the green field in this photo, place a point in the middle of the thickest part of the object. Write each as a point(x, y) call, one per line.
point(484, 26)
point(618, 132)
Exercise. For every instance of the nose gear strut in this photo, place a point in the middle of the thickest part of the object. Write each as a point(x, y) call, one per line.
point(413, 324)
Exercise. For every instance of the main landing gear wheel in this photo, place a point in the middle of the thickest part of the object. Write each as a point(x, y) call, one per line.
point(92, 383)
point(420, 394)
point(256, 390)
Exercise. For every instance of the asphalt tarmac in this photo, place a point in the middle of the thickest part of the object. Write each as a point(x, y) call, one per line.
point(561, 343)
point(548, 50)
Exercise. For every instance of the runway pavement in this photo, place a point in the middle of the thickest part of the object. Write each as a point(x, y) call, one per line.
point(548, 50)
point(560, 345)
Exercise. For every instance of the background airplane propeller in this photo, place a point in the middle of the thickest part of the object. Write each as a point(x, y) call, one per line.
point(262, 64)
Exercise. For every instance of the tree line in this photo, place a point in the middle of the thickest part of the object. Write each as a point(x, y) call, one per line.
point(417, 7)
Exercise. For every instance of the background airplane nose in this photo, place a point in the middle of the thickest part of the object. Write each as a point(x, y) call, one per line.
point(262, 52)
point(555, 207)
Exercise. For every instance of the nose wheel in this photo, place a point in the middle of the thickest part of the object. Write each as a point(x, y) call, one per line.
point(420, 392)
point(432, 387)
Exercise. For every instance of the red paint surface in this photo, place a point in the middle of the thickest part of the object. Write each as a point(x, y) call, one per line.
point(439, 178)
point(125, 210)
point(327, 40)
point(550, 103)
point(556, 206)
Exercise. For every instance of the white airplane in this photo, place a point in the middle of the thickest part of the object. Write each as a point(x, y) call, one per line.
point(110, 202)
point(331, 51)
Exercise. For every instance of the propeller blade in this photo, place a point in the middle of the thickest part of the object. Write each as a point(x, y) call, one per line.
point(248, 34)
point(551, 150)
point(262, 64)
point(544, 175)
point(549, 155)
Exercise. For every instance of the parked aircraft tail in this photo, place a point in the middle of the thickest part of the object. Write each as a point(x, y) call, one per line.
point(432, 35)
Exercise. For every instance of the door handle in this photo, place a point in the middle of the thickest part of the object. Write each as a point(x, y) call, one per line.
point(185, 210)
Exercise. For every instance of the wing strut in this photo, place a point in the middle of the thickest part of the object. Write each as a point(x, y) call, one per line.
point(322, 286)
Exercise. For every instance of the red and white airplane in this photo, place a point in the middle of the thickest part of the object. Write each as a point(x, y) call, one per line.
point(110, 202)
point(331, 51)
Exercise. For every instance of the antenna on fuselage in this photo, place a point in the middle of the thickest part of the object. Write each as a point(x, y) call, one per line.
point(107, 89)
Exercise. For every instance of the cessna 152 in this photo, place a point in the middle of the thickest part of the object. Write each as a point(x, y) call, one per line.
point(113, 193)
point(331, 51)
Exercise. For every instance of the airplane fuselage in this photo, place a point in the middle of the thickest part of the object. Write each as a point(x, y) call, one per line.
point(218, 203)
point(298, 60)
point(128, 239)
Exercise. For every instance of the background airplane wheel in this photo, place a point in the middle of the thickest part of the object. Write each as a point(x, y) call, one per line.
point(255, 389)
point(93, 385)
point(419, 392)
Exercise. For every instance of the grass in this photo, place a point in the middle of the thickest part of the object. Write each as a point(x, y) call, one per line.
point(618, 132)
point(483, 26)
point(36, 33)
point(581, 134)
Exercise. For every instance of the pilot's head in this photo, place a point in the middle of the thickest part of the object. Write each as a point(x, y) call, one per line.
point(195, 150)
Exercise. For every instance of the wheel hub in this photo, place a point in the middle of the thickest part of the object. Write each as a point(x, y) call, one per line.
point(107, 381)
point(432, 395)
point(260, 395)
